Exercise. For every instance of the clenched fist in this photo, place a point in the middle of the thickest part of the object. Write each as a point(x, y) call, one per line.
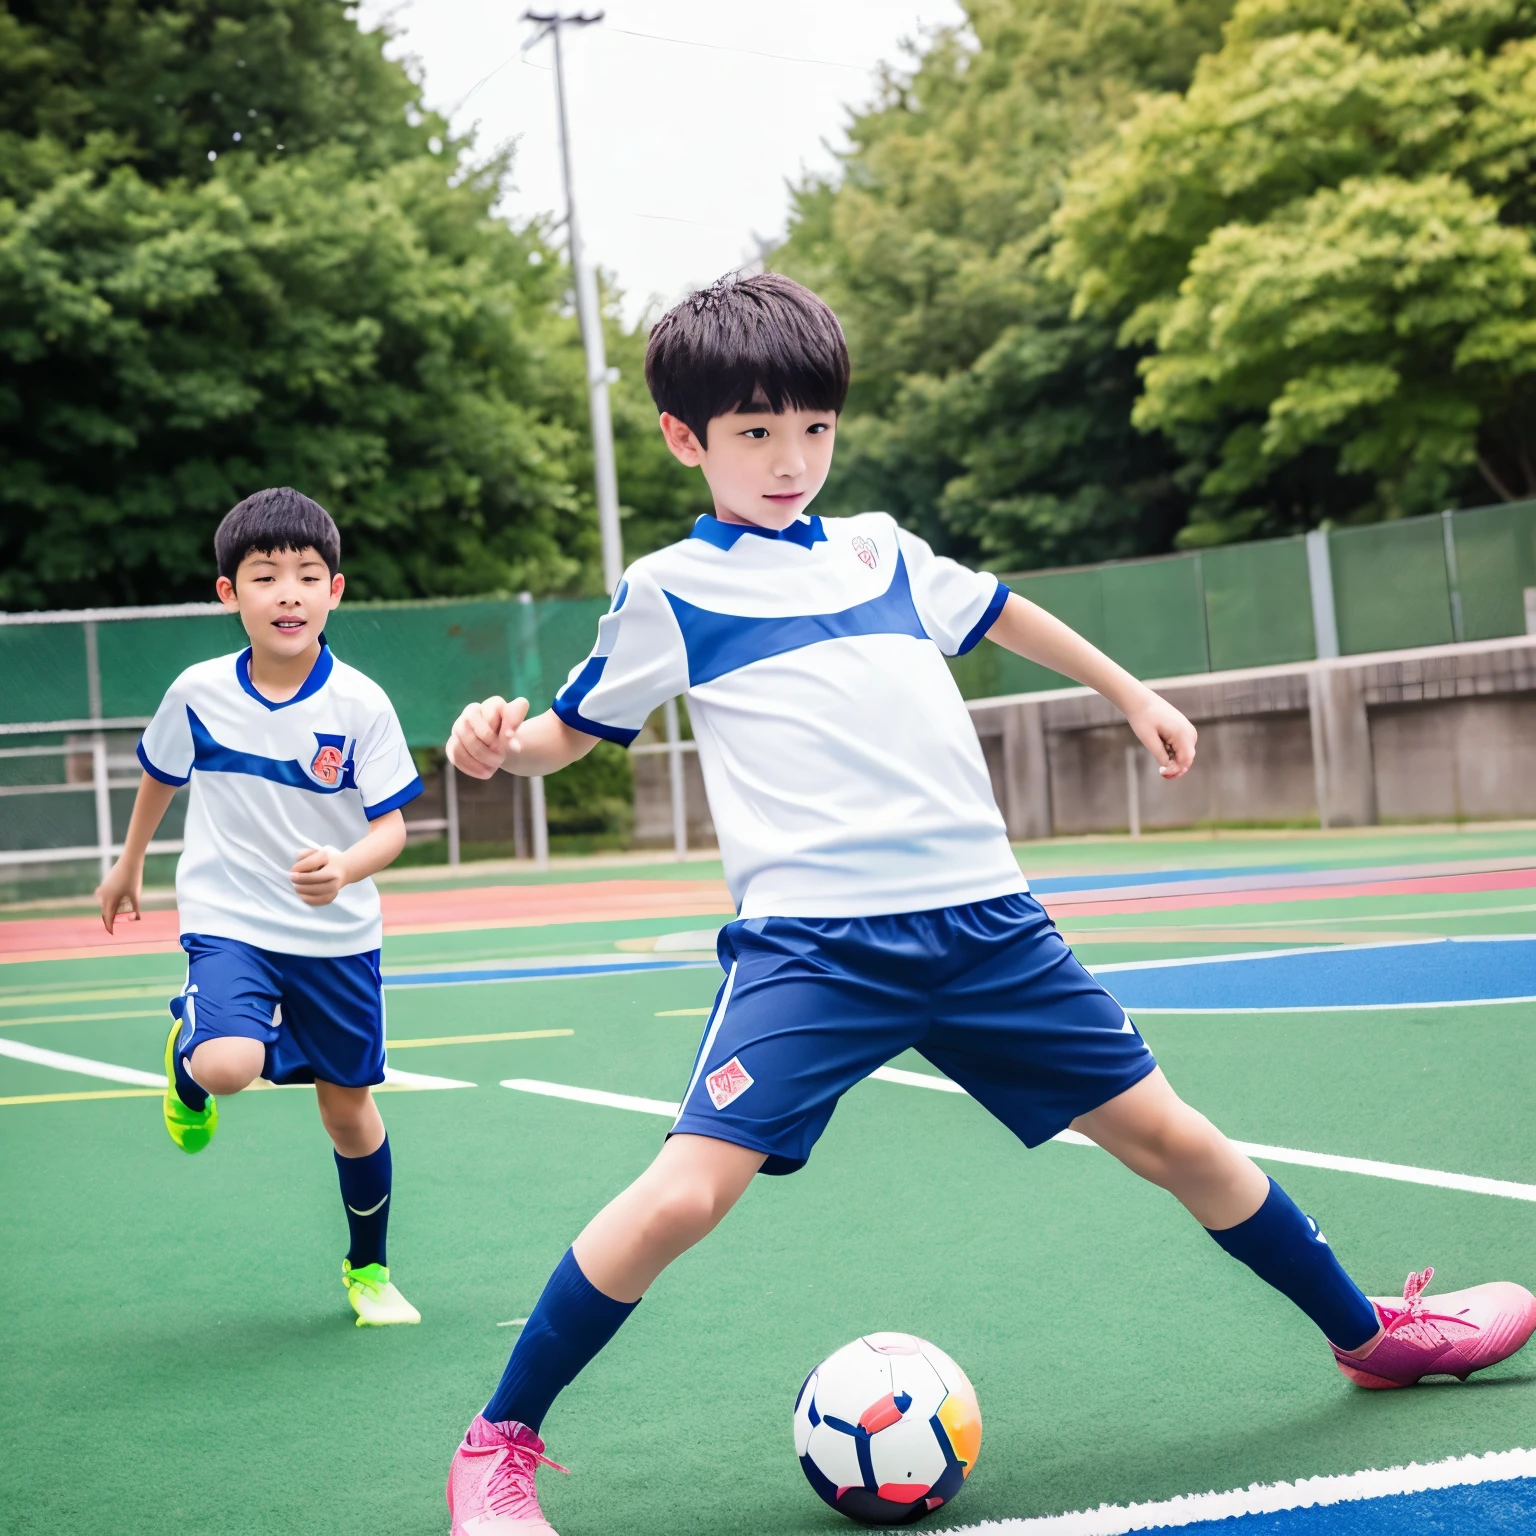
point(485, 736)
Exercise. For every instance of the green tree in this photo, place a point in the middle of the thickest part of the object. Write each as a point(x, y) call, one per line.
point(983, 411)
point(236, 250)
point(1326, 243)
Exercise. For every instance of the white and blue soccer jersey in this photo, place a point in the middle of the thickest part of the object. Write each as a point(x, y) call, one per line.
point(268, 781)
point(844, 774)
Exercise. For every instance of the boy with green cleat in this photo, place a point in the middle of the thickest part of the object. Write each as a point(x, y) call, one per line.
point(298, 770)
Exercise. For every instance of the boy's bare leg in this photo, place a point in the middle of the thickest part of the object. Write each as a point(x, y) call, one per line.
point(227, 1065)
point(351, 1119)
point(1156, 1134)
point(682, 1197)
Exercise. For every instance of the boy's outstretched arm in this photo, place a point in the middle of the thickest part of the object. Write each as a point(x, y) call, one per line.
point(121, 891)
point(1028, 630)
point(495, 734)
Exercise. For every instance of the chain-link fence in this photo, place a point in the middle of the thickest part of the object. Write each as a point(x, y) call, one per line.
point(76, 688)
point(1384, 587)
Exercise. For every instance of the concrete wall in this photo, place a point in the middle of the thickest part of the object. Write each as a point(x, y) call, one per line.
point(1440, 734)
point(1445, 733)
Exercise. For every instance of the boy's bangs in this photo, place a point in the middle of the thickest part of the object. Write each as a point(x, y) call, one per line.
point(751, 344)
point(273, 520)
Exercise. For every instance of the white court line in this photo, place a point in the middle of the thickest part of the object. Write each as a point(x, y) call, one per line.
point(421, 1080)
point(1266, 1498)
point(593, 1096)
point(1461, 1002)
point(1402, 1173)
point(86, 1067)
point(17, 1051)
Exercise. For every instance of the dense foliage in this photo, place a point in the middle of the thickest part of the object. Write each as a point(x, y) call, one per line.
point(983, 411)
point(1327, 243)
point(235, 250)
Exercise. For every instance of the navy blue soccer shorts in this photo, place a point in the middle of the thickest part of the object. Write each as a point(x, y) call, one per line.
point(988, 992)
point(319, 1017)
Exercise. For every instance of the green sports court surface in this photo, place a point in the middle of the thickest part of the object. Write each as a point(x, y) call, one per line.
point(178, 1355)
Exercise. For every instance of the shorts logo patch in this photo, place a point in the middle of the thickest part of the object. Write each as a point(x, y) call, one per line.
point(866, 551)
point(728, 1083)
point(327, 764)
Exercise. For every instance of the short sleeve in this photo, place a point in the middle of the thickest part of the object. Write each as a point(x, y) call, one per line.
point(956, 605)
point(383, 769)
point(165, 750)
point(638, 663)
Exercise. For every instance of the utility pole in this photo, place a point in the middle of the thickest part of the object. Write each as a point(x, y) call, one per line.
point(550, 24)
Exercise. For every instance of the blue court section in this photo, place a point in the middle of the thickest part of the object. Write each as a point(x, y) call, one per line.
point(1470, 1509)
point(1376, 975)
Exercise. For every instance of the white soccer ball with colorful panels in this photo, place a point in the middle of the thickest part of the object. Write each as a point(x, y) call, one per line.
point(887, 1429)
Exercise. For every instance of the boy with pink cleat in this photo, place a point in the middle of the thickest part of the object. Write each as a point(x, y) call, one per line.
point(880, 905)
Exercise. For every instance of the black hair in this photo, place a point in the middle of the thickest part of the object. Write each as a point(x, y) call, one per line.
point(280, 518)
point(761, 343)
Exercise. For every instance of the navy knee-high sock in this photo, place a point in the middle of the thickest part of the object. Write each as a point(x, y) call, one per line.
point(1283, 1246)
point(365, 1190)
point(572, 1321)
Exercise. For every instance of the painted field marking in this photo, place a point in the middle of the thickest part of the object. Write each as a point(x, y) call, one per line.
point(1463, 1002)
point(1330, 922)
point(593, 1096)
point(36, 999)
point(85, 1018)
point(394, 1078)
point(522, 1034)
point(86, 1067)
point(513, 1322)
point(1401, 1173)
point(684, 1013)
point(69, 1098)
point(1267, 1498)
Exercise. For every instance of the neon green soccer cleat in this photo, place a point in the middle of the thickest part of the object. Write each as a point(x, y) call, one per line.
point(375, 1300)
point(190, 1129)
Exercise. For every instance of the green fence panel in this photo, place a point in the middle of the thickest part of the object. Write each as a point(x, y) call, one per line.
point(990, 672)
point(1495, 564)
point(42, 672)
point(1258, 604)
point(1154, 617)
point(140, 657)
point(433, 658)
point(1390, 590)
point(1075, 597)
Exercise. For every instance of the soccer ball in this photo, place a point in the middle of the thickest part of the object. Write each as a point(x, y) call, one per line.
point(887, 1429)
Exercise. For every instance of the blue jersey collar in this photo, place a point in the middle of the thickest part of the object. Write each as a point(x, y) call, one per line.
point(803, 531)
point(311, 685)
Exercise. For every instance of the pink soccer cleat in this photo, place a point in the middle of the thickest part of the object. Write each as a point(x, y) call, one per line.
point(490, 1482)
point(1468, 1331)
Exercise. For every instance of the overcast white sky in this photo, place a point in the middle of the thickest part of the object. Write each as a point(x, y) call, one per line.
point(683, 147)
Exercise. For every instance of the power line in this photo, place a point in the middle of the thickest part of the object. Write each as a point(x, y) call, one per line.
point(756, 53)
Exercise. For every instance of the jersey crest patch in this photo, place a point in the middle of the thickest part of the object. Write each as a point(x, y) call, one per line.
point(327, 764)
point(866, 551)
point(728, 1083)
